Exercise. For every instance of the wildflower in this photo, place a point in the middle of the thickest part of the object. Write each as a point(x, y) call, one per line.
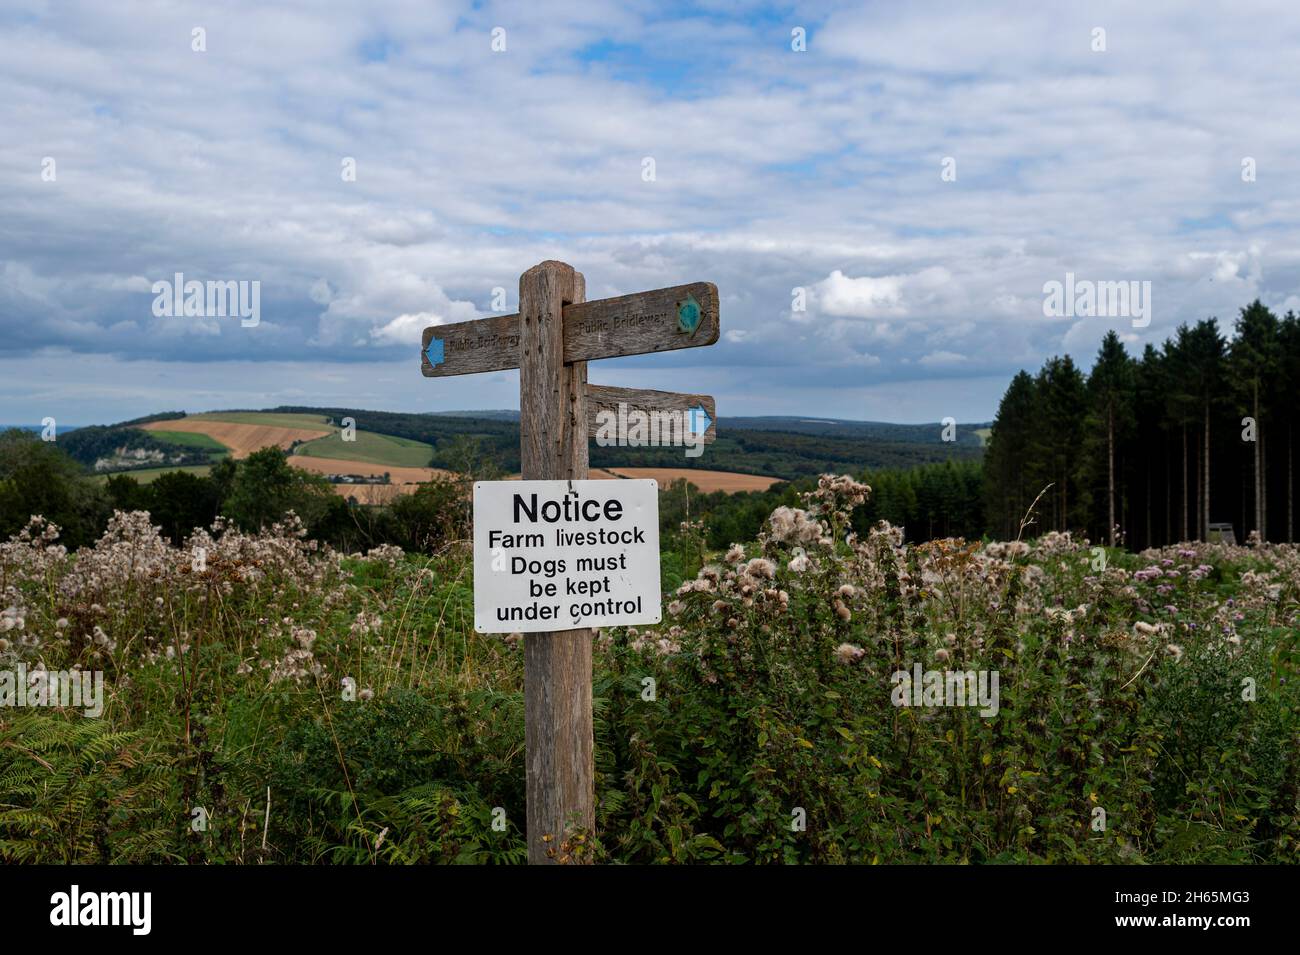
point(1145, 628)
point(841, 611)
point(676, 607)
point(942, 655)
point(366, 694)
point(791, 525)
point(735, 555)
point(761, 567)
point(798, 563)
point(1175, 651)
point(848, 653)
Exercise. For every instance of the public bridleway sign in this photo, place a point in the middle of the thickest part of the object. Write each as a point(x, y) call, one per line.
point(578, 554)
point(604, 533)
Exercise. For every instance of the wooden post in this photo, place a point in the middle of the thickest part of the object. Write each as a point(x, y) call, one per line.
point(557, 415)
point(557, 665)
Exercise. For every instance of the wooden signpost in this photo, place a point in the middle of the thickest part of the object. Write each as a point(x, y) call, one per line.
point(698, 409)
point(551, 339)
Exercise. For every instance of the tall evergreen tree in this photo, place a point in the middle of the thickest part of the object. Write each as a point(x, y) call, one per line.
point(1205, 366)
point(1151, 451)
point(1006, 457)
point(1255, 366)
point(1058, 437)
point(1110, 412)
point(1289, 386)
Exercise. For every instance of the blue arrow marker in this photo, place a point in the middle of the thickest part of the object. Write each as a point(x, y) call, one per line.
point(698, 415)
point(434, 352)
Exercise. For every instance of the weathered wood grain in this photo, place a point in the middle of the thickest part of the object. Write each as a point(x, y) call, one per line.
point(557, 665)
point(637, 324)
point(608, 398)
point(485, 344)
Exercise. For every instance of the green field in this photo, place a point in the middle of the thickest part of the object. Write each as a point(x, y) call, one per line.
point(147, 475)
point(370, 448)
point(192, 440)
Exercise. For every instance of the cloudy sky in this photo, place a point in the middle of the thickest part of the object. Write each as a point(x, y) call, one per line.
point(774, 170)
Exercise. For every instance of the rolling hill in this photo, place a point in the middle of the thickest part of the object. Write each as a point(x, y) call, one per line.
point(750, 453)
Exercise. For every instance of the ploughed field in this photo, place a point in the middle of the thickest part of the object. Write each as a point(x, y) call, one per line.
point(707, 481)
point(318, 446)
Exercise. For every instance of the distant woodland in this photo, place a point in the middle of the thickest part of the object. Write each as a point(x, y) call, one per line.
point(1153, 449)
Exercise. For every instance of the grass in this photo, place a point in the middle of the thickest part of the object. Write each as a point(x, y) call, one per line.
point(370, 448)
point(148, 475)
point(193, 440)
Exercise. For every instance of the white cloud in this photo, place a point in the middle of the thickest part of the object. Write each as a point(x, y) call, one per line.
point(775, 170)
point(863, 297)
point(941, 359)
point(404, 329)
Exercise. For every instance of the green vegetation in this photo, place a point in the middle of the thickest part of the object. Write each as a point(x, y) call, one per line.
point(269, 419)
point(369, 448)
point(791, 455)
point(933, 500)
point(1153, 449)
point(95, 443)
point(36, 477)
point(787, 448)
point(192, 439)
point(1162, 692)
point(149, 475)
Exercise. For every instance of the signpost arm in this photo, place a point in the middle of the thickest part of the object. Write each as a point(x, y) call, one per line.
point(557, 665)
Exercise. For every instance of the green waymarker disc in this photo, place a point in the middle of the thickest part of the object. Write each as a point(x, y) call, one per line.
point(689, 315)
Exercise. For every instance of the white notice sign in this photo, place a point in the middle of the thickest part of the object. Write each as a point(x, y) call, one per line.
point(560, 555)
